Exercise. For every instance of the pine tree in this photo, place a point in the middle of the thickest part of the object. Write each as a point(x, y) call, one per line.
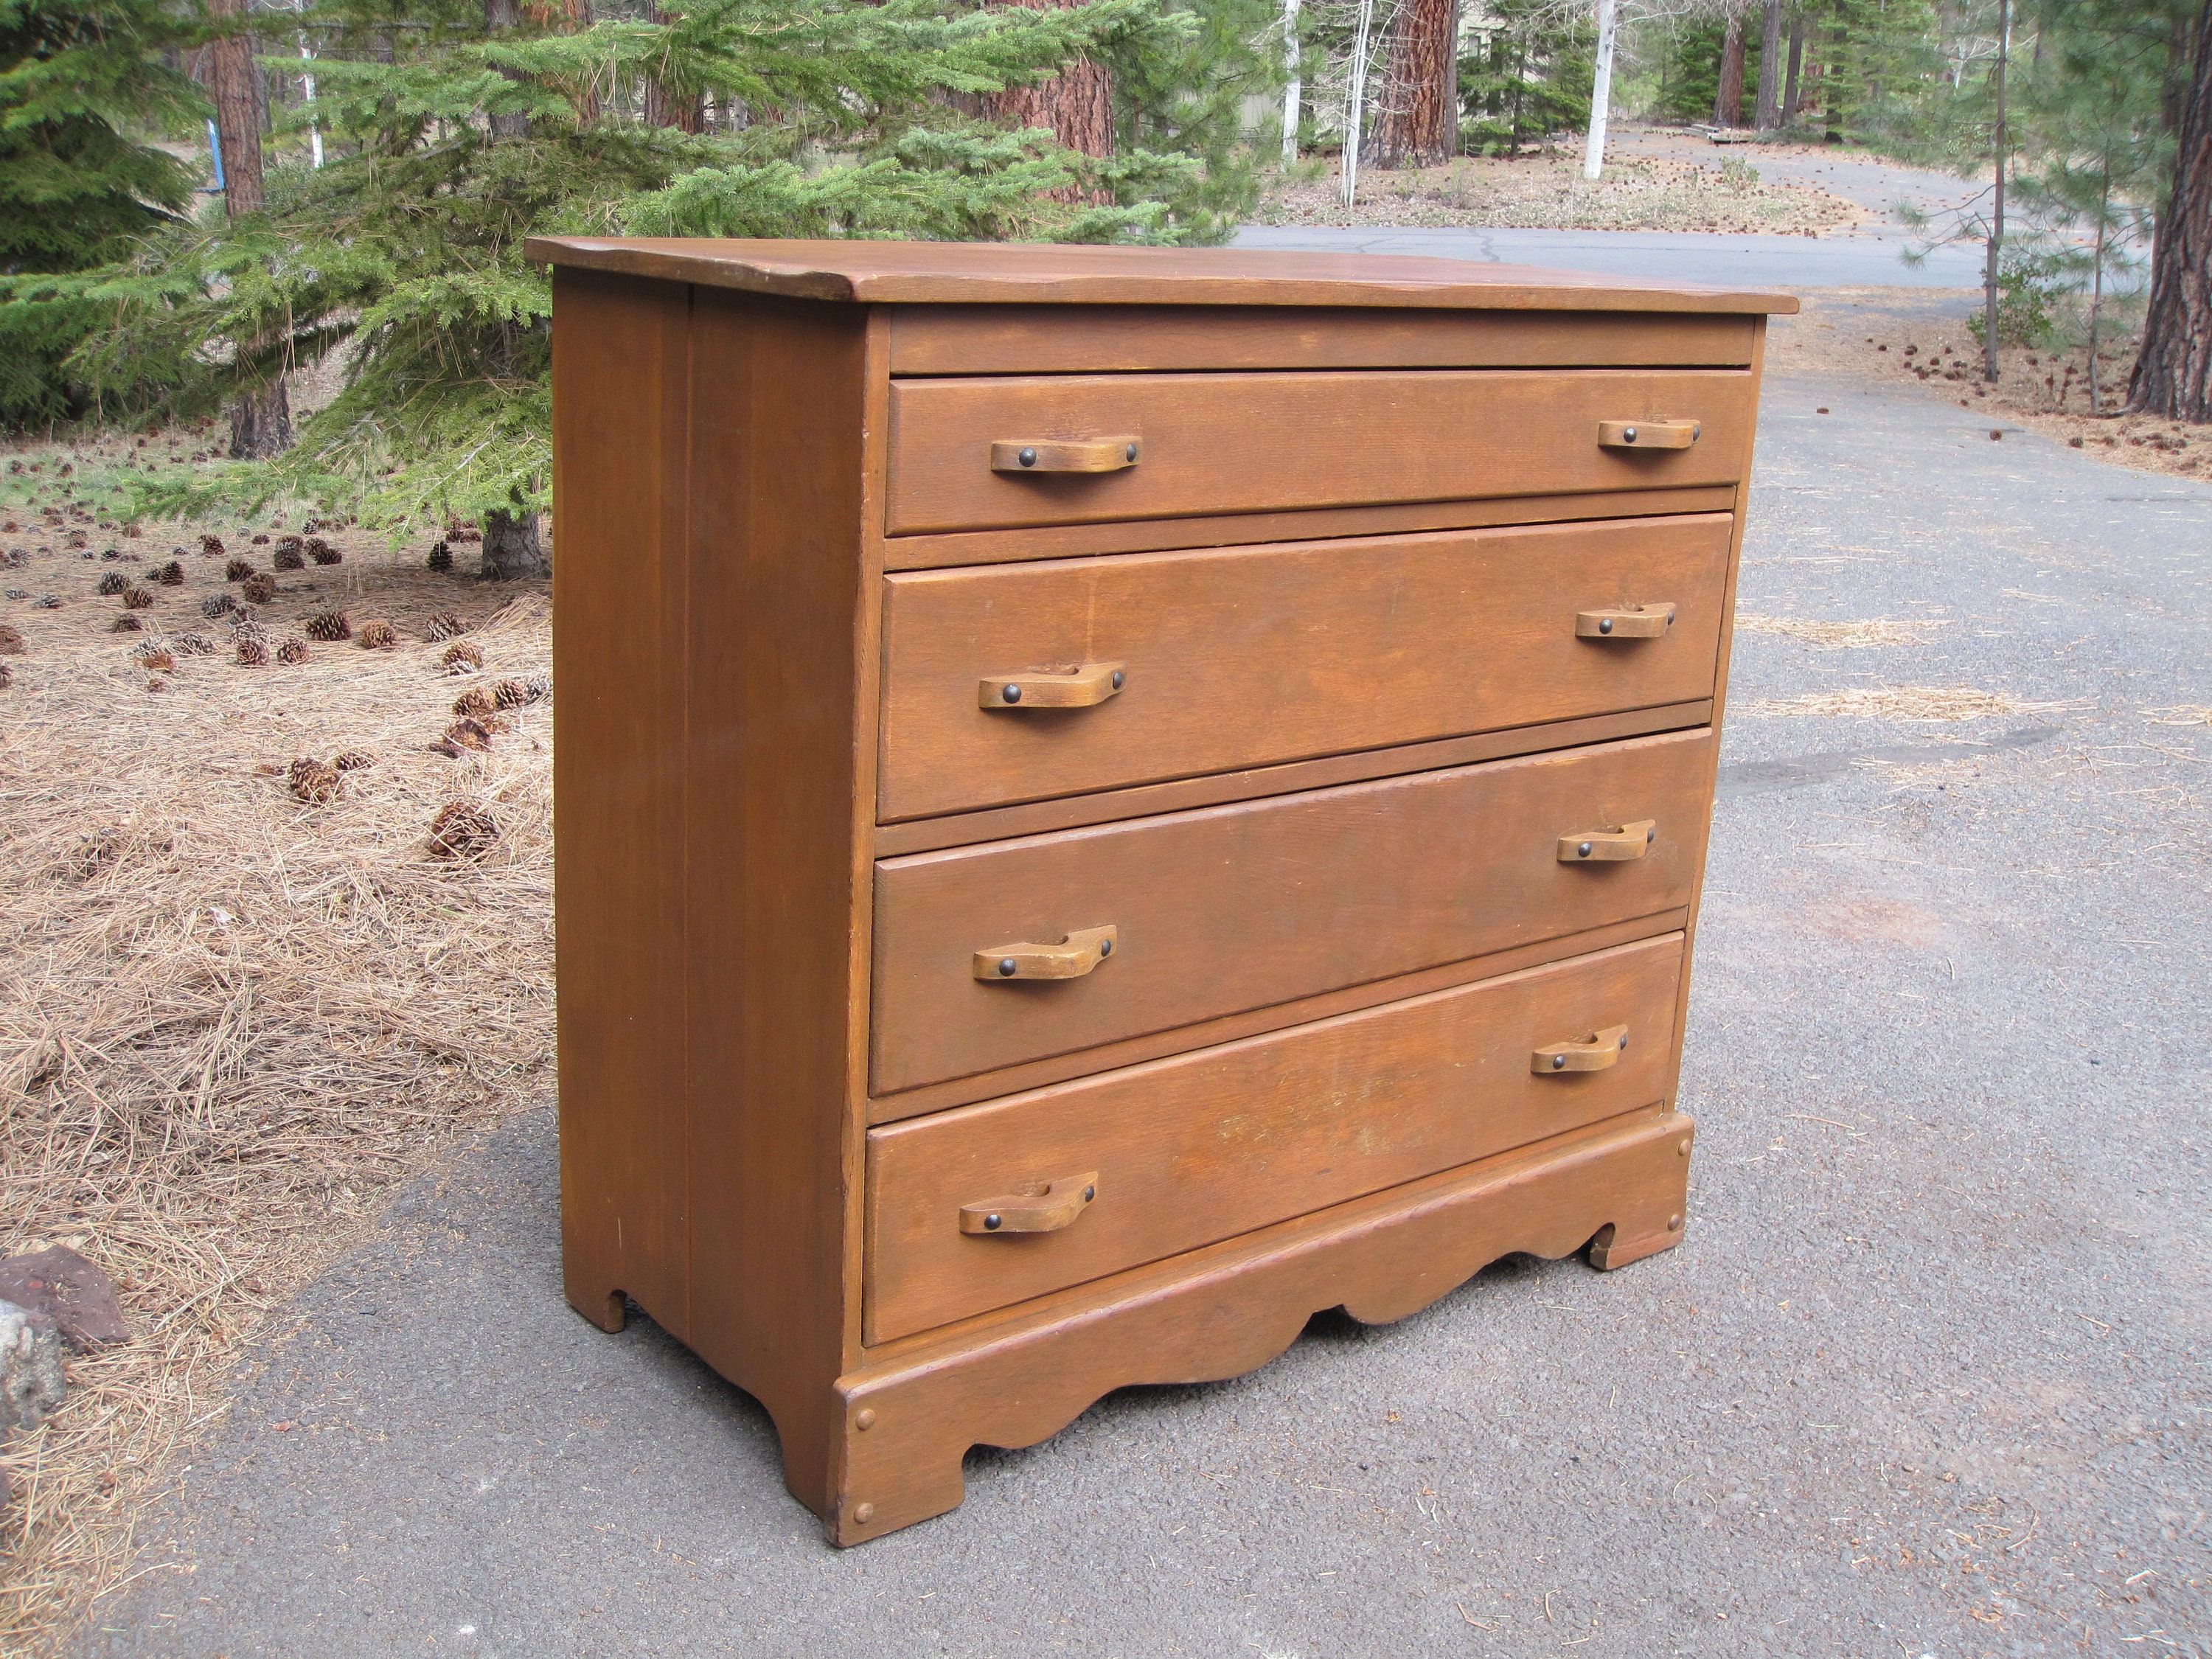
point(1526, 74)
point(481, 127)
point(2173, 374)
point(77, 78)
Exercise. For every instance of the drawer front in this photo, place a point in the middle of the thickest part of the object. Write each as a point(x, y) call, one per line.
point(1217, 1143)
point(1251, 656)
point(1252, 443)
point(1241, 907)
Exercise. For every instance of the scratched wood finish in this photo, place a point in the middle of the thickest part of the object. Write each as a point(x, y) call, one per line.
point(1254, 656)
point(1090, 339)
point(1230, 1140)
point(1215, 443)
point(1239, 906)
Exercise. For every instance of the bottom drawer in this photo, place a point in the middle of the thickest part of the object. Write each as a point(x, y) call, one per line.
point(1210, 1145)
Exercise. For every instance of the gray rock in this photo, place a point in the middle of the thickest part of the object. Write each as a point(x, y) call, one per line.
point(31, 1385)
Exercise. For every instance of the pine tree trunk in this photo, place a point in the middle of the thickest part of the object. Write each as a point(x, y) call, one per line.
point(261, 422)
point(232, 78)
point(2173, 376)
point(1077, 103)
point(1416, 121)
point(512, 548)
point(1769, 116)
point(502, 15)
point(669, 106)
point(1796, 65)
point(1998, 148)
point(1728, 102)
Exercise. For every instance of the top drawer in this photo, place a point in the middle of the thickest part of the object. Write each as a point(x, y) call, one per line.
point(1253, 443)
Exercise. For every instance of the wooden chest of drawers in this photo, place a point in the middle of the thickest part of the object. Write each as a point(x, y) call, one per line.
point(1110, 799)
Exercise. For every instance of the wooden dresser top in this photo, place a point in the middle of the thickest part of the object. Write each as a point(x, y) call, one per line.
point(1030, 273)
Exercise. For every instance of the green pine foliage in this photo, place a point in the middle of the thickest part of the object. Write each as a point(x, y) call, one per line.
point(1523, 75)
point(78, 79)
point(404, 253)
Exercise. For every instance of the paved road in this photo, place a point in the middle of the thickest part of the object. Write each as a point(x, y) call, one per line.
point(1925, 1377)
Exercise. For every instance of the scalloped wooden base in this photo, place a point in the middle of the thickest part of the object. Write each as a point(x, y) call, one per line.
point(909, 1418)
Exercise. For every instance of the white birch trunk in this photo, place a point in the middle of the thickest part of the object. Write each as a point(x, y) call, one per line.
point(1295, 89)
point(1608, 24)
point(1356, 99)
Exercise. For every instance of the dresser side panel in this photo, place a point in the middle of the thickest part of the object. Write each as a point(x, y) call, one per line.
point(620, 379)
point(777, 684)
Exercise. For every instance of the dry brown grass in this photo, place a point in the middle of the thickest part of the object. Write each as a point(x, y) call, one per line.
point(229, 1021)
point(1905, 703)
point(1841, 635)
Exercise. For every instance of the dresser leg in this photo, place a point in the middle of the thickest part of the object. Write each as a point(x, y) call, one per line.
point(1656, 1212)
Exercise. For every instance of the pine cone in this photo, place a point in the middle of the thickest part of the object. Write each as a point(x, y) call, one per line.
point(48, 602)
point(216, 605)
point(138, 598)
point(6, 677)
point(468, 734)
point(462, 831)
point(156, 661)
point(171, 575)
point(192, 645)
point(353, 760)
point(322, 552)
point(462, 657)
point(442, 556)
point(261, 588)
point(378, 635)
point(211, 546)
point(292, 651)
point(540, 687)
point(112, 582)
point(315, 783)
point(443, 625)
point(472, 703)
point(289, 543)
point(11, 641)
point(237, 571)
point(128, 622)
point(510, 694)
point(14, 559)
point(287, 558)
point(329, 625)
point(261, 541)
point(252, 652)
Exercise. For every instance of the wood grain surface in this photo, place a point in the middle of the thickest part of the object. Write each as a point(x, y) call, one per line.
point(1226, 1140)
point(1240, 907)
point(1076, 339)
point(1251, 443)
point(1033, 273)
point(1247, 656)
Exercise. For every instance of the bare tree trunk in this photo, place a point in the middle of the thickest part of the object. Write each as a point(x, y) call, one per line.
point(1608, 25)
point(1294, 86)
point(1077, 103)
point(502, 15)
point(1728, 101)
point(2097, 284)
point(1796, 65)
point(1997, 220)
point(1768, 107)
point(570, 17)
point(261, 418)
point(2174, 374)
point(670, 106)
point(511, 547)
point(1418, 124)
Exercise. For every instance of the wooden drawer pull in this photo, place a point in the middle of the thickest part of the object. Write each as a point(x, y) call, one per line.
point(1064, 455)
point(1648, 434)
point(1614, 846)
point(1043, 1207)
point(1634, 621)
point(1083, 686)
point(1072, 959)
point(1595, 1053)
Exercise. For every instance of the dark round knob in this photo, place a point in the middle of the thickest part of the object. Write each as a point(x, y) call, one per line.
point(1558, 1062)
point(1105, 947)
point(1007, 967)
point(990, 1223)
point(1011, 694)
point(1118, 678)
point(1605, 625)
point(1628, 436)
point(1130, 453)
point(1027, 457)
point(1583, 851)
point(1089, 1193)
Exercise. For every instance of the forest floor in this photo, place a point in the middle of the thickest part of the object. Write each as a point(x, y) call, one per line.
point(232, 1019)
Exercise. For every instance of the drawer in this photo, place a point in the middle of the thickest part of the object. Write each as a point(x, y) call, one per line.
point(1210, 1145)
point(1250, 443)
point(1251, 656)
point(1241, 907)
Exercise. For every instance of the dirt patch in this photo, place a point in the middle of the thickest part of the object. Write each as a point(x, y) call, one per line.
point(1545, 189)
point(1841, 635)
point(1903, 702)
point(1918, 338)
point(238, 1004)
